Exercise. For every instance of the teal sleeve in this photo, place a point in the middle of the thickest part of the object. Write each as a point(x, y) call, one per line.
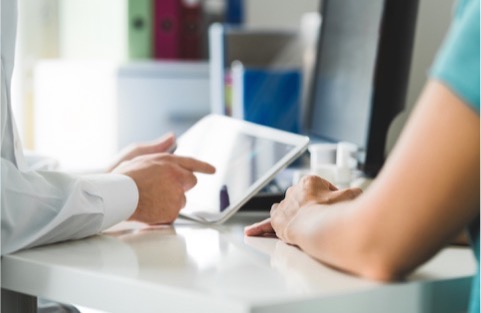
point(457, 63)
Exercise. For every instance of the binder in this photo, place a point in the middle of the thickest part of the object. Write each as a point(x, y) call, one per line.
point(259, 48)
point(270, 97)
point(140, 29)
point(234, 14)
point(217, 68)
point(191, 32)
point(177, 29)
point(167, 28)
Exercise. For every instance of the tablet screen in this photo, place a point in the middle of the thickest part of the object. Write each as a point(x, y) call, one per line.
point(246, 158)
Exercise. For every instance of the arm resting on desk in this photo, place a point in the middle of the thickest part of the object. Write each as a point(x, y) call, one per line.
point(45, 207)
point(426, 193)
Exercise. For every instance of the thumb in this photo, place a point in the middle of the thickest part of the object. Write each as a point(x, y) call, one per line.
point(163, 144)
point(345, 194)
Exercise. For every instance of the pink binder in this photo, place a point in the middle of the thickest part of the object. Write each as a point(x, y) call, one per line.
point(167, 29)
point(191, 32)
point(177, 29)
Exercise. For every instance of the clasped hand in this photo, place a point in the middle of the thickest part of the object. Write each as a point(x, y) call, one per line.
point(307, 194)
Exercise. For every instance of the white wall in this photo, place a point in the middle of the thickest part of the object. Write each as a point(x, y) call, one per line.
point(37, 38)
point(93, 29)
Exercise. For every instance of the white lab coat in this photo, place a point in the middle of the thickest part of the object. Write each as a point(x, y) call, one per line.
point(40, 207)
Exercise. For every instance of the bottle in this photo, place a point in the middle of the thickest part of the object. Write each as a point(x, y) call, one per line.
point(344, 164)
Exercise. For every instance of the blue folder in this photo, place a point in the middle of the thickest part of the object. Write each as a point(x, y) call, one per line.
point(272, 97)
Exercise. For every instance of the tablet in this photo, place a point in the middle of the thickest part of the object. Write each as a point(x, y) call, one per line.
point(246, 156)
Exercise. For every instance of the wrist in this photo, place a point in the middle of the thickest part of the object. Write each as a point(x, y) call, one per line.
point(296, 228)
point(118, 194)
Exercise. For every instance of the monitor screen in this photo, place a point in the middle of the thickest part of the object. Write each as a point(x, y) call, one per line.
point(345, 74)
point(361, 73)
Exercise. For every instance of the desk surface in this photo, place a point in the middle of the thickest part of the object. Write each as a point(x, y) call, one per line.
point(194, 268)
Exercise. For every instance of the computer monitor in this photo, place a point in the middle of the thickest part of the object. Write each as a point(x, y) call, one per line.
point(361, 73)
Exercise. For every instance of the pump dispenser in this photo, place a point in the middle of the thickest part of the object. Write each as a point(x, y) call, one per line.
point(344, 163)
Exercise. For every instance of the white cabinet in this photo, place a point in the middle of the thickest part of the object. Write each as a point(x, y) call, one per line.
point(85, 111)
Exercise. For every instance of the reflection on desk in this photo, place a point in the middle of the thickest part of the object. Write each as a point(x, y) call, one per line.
point(190, 267)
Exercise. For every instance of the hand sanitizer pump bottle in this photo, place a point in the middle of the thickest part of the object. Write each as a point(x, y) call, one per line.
point(344, 164)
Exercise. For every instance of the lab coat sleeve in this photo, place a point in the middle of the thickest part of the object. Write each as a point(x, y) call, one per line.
point(45, 207)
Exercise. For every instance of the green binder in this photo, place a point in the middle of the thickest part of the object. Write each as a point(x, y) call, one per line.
point(140, 29)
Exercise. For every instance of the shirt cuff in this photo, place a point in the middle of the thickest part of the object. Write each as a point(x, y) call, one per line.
point(119, 195)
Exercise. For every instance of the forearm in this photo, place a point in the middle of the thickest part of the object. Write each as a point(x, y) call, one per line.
point(427, 192)
point(45, 207)
point(334, 235)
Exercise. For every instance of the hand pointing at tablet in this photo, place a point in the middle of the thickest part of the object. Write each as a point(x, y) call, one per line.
point(161, 178)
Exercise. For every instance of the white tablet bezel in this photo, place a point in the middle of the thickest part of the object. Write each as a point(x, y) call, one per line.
point(299, 142)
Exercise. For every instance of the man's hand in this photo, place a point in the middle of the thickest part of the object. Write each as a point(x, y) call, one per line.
point(162, 180)
point(310, 190)
point(161, 145)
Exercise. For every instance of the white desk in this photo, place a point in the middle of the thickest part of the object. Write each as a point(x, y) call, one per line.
point(193, 268)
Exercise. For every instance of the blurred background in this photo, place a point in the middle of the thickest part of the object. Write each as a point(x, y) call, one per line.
point(93, 76)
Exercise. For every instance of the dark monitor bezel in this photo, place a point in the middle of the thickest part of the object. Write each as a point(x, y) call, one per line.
point(391, 75)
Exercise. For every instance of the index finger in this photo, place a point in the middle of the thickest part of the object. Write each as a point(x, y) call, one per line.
point(316, 182)
point(194, 165)
point(260, 228)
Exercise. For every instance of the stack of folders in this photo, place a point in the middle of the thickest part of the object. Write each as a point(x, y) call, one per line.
point(256, 75)
point(165, 29)
point(140, 29)
point(132, 29)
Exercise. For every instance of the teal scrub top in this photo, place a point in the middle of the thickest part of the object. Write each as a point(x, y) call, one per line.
point(457, 66)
